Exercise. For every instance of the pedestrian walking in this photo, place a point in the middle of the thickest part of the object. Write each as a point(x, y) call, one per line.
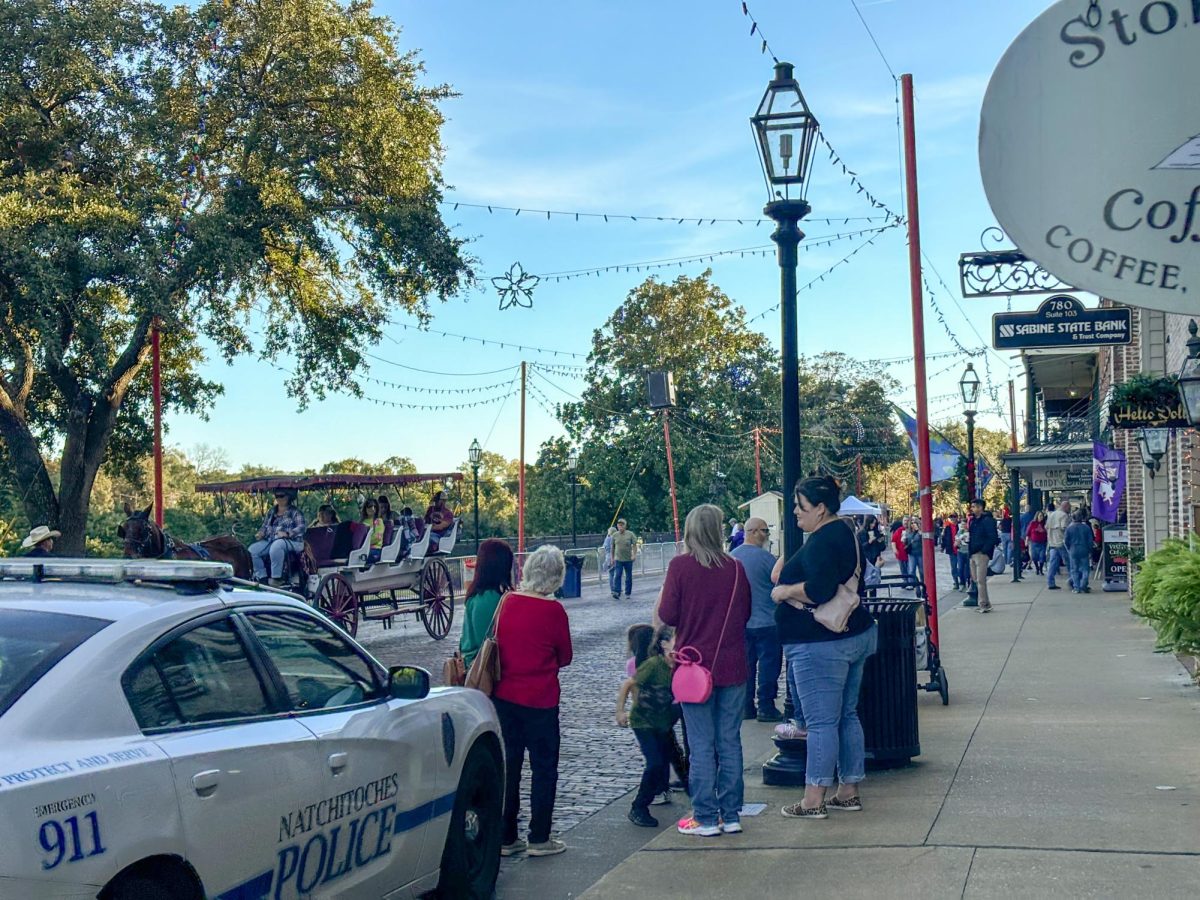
point(737, 534)
point(606, 558)
point(651, 720)
point(962, 546)
point(534, 639)
point(827, 666)
point(1036, 535)
point(764, 655)
point(982, 541)
point(1006, 535)
point(899, 532)
point(624, 552)
point(1077, 541)
point(706, 598)
point(1056, 532)
point(947, 546)
point(914, 544)
point(493, 579)
point(872, 540)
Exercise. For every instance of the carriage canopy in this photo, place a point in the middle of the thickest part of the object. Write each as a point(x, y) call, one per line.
point(268, 483)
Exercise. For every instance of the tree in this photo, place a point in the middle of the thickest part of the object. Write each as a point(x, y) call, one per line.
point(497, 497)
point(269, 167)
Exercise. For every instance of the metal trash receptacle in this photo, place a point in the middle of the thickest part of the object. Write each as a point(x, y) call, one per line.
point(573, 577)
point(887, 704)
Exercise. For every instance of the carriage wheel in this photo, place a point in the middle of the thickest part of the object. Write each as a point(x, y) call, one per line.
point(337, 600)
point(437, 594)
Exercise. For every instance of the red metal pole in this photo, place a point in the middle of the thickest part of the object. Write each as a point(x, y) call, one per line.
point(757, 462)
point(1012, 415)
point(156, 382)
point(671, 469)
point(918, 317)
point(858, 474)
point(521, 473)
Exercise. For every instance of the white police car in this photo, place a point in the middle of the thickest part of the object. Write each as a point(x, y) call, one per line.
point(167, 734)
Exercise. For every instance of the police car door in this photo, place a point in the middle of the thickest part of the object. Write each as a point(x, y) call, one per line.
point(243, 768)
point(372, 752)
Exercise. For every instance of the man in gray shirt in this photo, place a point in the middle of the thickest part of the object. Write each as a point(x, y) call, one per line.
point(1056, 533)
point(764, 654)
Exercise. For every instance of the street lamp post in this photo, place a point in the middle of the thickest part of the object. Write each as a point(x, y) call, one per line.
point(475, 455)
point(572, 465)
point(1153, 444)
point(969, 385)
point(1189, 377)
point(786, 133)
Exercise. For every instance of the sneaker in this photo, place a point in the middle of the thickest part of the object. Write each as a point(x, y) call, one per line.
point(551, 847)
point(642, 818)
point(790, 731)
point(661, 799)
point(276, 582)
point(616, 596)
point(1086, 590)
point(986, 609)
point(731, 827)
point(796, 811)
point(852, 804)
point(517, 846)
point(769, 714)
point(679, 786)
point(1053, 587)
point(691, 826)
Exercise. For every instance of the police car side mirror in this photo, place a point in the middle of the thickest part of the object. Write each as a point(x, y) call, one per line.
point(408, 682)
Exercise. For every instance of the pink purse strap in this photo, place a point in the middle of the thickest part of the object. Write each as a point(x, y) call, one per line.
point(737, 574)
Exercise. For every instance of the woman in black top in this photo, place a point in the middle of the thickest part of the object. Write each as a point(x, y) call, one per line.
point(825, 667)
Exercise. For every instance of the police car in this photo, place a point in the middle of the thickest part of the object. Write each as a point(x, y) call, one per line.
point(166, 733)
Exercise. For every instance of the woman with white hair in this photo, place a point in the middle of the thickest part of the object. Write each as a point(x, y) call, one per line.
point(534, 640)
point(706, 597)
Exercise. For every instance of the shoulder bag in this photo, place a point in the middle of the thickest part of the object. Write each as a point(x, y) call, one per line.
point(692, 681)
point(835, 615)
point(454, 671)
point(485, 668)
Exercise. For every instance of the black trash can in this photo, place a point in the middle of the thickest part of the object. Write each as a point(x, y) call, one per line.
point(887, 704)
point(573, 580)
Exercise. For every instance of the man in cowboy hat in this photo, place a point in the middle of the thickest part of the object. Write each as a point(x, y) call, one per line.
point(40, 541)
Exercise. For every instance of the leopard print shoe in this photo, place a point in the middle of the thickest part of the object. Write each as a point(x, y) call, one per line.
point(850, 804)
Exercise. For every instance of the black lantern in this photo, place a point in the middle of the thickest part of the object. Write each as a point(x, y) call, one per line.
point(475, 455)
point(786, 132)
point(572, 465)
point(969, 385)
point(1153, 444)
point(1189, 377)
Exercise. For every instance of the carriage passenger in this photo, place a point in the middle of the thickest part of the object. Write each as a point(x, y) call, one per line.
point(326, 516)
point(440, 518)
point(282, 532)
point(385, 512)
point(370, 518)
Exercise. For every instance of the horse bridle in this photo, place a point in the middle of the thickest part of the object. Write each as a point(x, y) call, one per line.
point(147, 541)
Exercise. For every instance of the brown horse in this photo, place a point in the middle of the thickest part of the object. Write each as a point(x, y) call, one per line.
point(145, 540)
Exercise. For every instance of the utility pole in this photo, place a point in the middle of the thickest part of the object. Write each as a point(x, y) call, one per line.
point(858, 475)
point(156, 384)
point(671, 469)
point(521, 473)
point(758, 461)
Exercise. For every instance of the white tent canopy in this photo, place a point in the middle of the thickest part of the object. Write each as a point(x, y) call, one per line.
point(852, 506)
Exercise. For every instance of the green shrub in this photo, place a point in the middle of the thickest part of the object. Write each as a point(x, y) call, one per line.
point(1166, 592)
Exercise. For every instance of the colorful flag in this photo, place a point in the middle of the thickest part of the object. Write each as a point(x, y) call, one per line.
point(1108, 481)
point(983, 474)
point(943, 458)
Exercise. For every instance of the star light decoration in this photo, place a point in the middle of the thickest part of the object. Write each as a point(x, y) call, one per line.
point(515, 287)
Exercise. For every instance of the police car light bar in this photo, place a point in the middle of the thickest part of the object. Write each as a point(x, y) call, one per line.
point(114, 570)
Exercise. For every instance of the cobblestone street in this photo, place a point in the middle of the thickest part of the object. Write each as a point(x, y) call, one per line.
point(599, 761)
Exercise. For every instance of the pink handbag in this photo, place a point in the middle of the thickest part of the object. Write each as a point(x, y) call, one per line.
point(692, 682)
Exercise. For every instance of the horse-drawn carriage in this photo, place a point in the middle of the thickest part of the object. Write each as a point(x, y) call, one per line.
point(335, 571)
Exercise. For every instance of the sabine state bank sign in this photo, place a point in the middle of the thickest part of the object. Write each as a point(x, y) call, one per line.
point(1062, 321)
point(1089, 148)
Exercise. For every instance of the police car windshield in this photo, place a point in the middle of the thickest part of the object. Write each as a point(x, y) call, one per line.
point(32, 643)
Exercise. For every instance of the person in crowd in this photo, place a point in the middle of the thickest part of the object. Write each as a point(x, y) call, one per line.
point(282, 532)
point(899, 533)
point(872, 540)
point(1056, 532)
point(374, 524)
point(624, 551)
point(534, 639)
point(1006, 534)
point(915, 546)
point(962, 547)
point(327, 516)
point(440, 518)
point(1078, 540)
point(764, 655)
point(606, 558)
point(827, 667)
point(982, 539)
point(651, 719)
point(493, 579)
point(737, 535)
point(639, 639)
point(40, 541)
point(1036, 535)
point(947, 546)
point(706, 599)
point(385, 511)
point(1098, 540)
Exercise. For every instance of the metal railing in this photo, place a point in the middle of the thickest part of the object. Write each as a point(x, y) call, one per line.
point(652, 559)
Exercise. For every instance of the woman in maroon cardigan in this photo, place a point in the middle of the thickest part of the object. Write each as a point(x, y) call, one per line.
point(534, 639)
point(706, 597)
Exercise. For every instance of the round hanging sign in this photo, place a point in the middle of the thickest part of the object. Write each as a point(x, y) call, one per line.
point(1089, 147)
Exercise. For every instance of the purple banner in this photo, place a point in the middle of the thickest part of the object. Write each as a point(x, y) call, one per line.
point(1108, 481)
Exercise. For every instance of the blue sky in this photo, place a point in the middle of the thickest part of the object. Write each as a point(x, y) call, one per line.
point(642, 108)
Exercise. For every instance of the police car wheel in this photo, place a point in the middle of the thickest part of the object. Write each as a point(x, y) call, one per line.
point(152, 882)
point(471, 860)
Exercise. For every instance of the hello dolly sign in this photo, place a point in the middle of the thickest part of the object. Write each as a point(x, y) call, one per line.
point(1089, 147)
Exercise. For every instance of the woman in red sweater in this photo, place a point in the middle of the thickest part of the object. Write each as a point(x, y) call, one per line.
point(534, 639)
point(706, 597)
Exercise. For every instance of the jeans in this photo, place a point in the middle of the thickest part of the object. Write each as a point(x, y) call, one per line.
point(1058, 557)
point(1037, 552)
point(954, 568)
point(764, 656)
point(536, 730)
point(614, 576)
point(829, 675)
point(1006, 544)
point(916, 566)
point(964, 568)
point(714, 731)
point(1079, 569)
point(277, 550)
point(657, 749)
point(979, 572)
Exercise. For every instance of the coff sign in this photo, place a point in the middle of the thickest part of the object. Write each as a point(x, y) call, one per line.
point(1061, 321)
point(1089, 147)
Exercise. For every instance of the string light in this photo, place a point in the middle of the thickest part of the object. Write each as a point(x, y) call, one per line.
point(756, 30)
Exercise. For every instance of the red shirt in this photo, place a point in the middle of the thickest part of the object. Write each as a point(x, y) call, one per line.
point(695, 601)
point(1036, 532)
point(898, 543)
point(535, 642)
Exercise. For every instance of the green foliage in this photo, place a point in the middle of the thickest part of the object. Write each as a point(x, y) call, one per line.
point(1166, 591)
point(1145, 390)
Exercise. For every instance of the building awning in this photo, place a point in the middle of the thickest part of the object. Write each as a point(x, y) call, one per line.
point(1054, 467)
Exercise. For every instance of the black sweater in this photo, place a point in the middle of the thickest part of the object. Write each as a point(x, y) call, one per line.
point(826, 560)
